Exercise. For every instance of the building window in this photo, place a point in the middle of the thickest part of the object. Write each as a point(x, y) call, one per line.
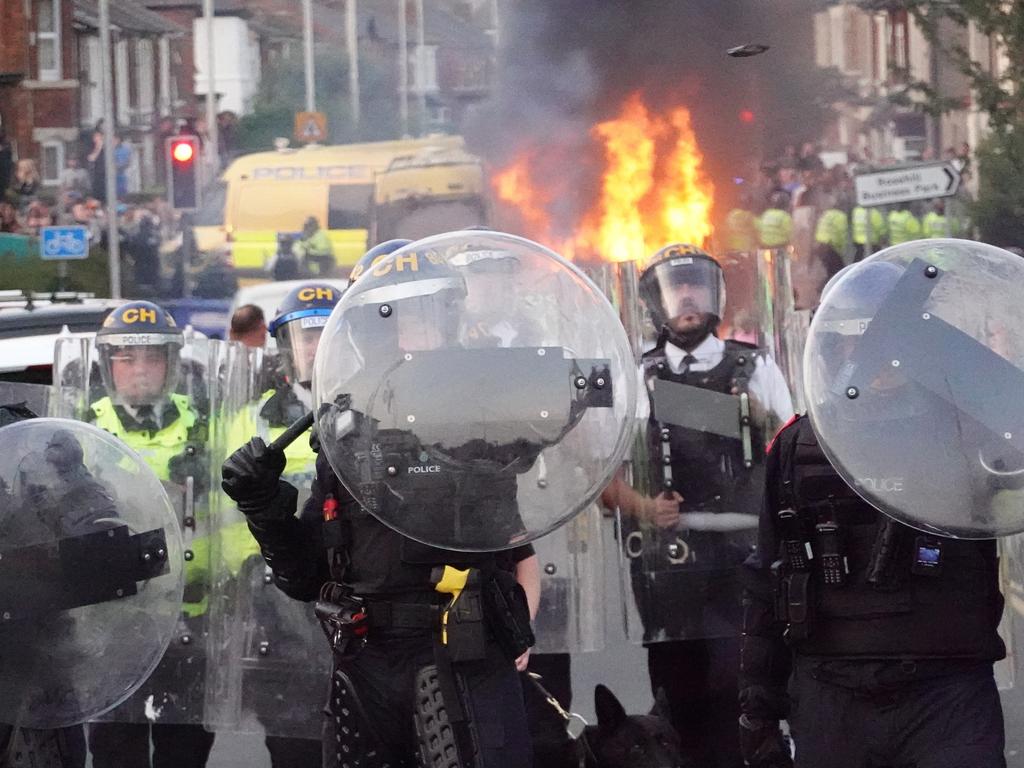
point(423, 70)
point(145, 77)
point(53, 162)
point(122, 84)
point(899, 42)
point(48, 39)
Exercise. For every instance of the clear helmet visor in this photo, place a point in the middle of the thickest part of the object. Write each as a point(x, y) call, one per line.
point(139, 369)
point(684, 286)
point(297, 342)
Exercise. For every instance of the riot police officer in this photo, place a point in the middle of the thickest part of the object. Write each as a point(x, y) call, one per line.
point(885, 634)
point(379, 588)
point(429, 488)
point(147, 406)
point(689, 522)
point(281, 635)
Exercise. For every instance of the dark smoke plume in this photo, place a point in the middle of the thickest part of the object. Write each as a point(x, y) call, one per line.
point(566, 64)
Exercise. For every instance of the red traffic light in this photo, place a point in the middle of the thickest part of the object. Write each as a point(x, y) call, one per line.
point(183, 152)
point(746, 116)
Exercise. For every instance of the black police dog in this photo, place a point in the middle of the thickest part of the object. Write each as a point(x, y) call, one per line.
point(630, 741)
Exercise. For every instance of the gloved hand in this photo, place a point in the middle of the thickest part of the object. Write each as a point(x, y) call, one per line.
point(762, 743)
point(251, 476)
point(191, 462)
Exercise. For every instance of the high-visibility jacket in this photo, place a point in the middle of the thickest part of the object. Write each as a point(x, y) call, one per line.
point(740, 231)
point(937, 224)
point(903, 227)
point(833, 229)
point(775, 228)
point(860, 226)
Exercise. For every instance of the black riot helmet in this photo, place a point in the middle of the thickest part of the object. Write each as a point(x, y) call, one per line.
point(683, 279)
point(298, 324)
point(139, 346)
point(412, 297)
point(374, 255)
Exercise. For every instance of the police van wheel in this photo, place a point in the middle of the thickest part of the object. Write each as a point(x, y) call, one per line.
point(436, 737)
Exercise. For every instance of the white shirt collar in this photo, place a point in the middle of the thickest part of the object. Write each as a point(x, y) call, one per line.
point(708, 353)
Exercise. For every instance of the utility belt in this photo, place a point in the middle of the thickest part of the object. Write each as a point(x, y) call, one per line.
point(814, 557)
point(482, 605)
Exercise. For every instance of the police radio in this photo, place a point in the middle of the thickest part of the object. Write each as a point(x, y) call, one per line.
point(834, 565)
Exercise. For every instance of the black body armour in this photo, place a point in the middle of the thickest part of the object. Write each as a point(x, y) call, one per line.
point(686, 582)
point(875, 588)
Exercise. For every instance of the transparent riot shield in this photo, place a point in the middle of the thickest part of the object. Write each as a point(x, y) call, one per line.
point(181, 434)
point(571, 616)
point(783, 328)
point(450, 369)
point(913, 372)
point(273, 660)
point(91, 568)
point(705, 444)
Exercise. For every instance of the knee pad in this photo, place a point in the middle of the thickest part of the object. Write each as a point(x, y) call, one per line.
point(350, 739)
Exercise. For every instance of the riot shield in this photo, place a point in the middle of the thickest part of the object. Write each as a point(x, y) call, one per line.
point(182, 437)
point(571, 615)
point(434, 409)
point(783, 328)
point(707, 446)
point(273, 660)
point(913, 373)
point(91, 569)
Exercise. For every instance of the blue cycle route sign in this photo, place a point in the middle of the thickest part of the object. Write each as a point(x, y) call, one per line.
point(60, 243)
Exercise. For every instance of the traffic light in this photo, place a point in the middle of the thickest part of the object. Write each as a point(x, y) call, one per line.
point(183, 172)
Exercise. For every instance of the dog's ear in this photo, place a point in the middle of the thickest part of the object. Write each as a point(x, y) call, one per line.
point(610, 714)
point(661, 707)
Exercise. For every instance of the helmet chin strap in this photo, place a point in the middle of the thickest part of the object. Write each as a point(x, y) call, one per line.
point(690, 340)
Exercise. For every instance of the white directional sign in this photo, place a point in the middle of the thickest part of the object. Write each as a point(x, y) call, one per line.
point(905, 183)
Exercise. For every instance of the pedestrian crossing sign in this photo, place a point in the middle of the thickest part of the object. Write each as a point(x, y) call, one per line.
point(310, 127)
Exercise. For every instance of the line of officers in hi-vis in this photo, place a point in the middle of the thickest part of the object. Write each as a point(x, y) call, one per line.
point(178, 558)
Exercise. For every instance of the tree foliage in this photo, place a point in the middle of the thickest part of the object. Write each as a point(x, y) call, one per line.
point(999, 208)
point(282, 93)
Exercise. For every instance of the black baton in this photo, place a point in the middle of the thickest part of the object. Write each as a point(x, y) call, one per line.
point(293, 432)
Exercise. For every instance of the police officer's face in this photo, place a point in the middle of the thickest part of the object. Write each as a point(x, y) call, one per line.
point(139, 373)
point(688, 305)
point(417, 334)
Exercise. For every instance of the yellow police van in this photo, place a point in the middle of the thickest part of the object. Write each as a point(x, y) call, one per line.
point(268, 193)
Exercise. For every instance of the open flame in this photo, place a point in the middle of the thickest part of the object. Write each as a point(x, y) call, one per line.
point(653, 189)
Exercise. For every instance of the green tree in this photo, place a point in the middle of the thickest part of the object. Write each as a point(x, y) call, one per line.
point(282, 93)
point(1000, 158)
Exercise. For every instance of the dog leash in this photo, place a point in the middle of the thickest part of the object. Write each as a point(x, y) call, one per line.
point(575, 723)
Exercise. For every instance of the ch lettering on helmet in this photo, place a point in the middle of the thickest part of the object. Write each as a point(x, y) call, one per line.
point(138, 315)
point(316, 293)
point(409, 262)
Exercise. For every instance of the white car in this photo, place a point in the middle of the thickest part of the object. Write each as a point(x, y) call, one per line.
point(29, 329)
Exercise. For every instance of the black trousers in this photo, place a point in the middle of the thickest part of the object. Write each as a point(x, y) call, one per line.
point(864, 714)
point(126, 745)
point(383, 675)
point(551, 743)
point(289, 752)
point(700, 681)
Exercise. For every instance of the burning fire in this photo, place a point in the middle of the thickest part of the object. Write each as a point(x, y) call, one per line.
point(653, 189)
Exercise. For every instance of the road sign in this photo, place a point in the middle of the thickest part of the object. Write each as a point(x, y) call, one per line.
point(310, 127)
point(60, 243)
point(905, 183)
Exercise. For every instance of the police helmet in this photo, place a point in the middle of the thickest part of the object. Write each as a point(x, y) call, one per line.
point(676, 265)
point(139, 346)
point(297, 326)
point(412, 291)
point(374, 255)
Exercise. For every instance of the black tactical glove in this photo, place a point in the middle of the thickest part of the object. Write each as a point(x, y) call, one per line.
point(251, 476)
point(192, 462)
point(762, 743)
